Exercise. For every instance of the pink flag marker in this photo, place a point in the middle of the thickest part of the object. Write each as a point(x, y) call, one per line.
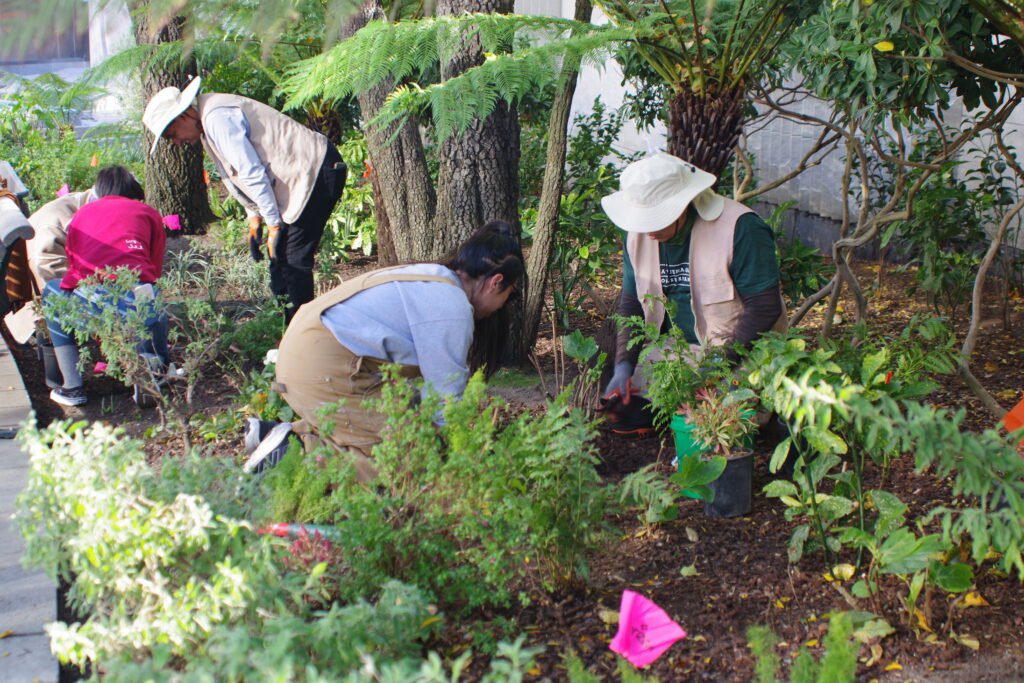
point(645, 631)
point(64, 189)
point(101, 366)
point(173, 222)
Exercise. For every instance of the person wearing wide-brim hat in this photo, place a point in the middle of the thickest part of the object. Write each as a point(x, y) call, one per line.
point(287, 176)
point(712, 256)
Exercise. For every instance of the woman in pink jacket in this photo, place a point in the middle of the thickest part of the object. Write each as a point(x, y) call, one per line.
point(116, 230)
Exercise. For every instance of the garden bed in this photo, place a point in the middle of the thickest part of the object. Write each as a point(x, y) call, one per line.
point(714, 576)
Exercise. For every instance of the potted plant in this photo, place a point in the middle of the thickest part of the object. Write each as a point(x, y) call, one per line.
point(723, 423)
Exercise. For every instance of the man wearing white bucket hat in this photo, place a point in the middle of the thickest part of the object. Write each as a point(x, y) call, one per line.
point(285, 175)
point(712, 256)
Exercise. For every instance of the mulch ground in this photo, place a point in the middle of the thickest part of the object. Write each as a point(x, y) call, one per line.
point(740, 573)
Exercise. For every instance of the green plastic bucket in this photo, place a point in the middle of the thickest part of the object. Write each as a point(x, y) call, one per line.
point(688, 447)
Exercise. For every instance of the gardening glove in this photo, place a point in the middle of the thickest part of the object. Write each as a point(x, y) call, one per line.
point(619, 387)
point(255, 237)
point(273, 240)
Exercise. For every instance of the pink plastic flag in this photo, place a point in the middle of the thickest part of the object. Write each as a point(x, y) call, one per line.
point(101, 366)
point(645, 631)
point(173, 222)
point(64, 189)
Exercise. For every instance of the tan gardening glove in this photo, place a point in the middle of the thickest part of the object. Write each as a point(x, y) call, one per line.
point(273, 238)
point(255, 237)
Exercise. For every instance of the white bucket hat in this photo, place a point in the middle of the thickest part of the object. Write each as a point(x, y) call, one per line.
point(165, 106)
point(654, 192)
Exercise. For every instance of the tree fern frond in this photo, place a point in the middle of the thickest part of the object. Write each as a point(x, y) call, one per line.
point(380, 51)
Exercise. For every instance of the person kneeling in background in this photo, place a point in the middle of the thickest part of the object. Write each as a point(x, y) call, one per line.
point(117, 229)
point(436, 320)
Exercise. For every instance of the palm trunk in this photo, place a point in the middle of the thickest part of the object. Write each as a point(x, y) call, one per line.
point(704, 129)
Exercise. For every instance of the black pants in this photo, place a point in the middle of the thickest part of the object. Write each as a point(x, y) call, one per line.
point(291, 273)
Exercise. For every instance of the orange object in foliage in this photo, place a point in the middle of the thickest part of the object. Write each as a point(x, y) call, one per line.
point(206, 176)
point(95, 160)
point(368, 171)
point(1014, 419)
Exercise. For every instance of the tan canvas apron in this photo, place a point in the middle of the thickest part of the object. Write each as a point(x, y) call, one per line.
point(314, 369)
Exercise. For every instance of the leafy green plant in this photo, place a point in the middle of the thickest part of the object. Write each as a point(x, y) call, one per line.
point(473, 512)
point(142, 548)
point(837, 664)
point(802, 268)
point(723, 421)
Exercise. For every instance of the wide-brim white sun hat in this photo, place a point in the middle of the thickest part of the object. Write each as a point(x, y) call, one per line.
point(654, 192)
point(165, 106)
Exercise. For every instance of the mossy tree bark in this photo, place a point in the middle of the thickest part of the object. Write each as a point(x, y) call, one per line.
point(174, 174)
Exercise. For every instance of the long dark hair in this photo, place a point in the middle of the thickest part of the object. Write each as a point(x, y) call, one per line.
point(118, 180)
point(491, 250)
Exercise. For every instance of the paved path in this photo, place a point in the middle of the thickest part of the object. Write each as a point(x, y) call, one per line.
point(27, 599)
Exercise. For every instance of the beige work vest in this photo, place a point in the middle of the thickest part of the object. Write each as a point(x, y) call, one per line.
point(291, 153)
point(310, 353)
point(47, 258)
point(713, 298)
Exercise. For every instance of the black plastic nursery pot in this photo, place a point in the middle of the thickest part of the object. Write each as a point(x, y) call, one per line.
point(734, 489)
point(54, 378)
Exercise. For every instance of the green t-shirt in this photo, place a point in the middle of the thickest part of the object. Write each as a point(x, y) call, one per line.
point(753, 268)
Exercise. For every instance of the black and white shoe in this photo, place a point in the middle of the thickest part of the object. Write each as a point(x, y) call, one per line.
point(270, 451)
point(255, 431)
point(69, 397)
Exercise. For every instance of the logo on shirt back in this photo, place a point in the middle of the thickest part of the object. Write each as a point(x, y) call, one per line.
point(134, 244)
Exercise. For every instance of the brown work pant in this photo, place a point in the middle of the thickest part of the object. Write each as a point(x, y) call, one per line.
point(353, 426)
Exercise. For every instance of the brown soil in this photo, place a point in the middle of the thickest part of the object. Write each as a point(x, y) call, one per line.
point(743, 576)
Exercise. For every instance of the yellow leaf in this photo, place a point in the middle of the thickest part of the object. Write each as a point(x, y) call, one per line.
point(991, 367)
point(967, 641)
point(790, 501)
point(430, 620)
point(843, 572)
point(691, 535)
point(812, 642)
point(535, 671)
point(895, 666)
point(876, 654)
point(608, 616)
point(6, 633)
point(779, 604)
point(922, 621)
point(974, 599)
point(884, 46)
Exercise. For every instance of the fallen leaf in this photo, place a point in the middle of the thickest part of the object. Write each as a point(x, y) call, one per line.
point(812, 642)
point(974, 599)
point(779, 604)
point(843, 572)
point(894, 666)
point(535, 671)
point(922, 621)
point(608, 616)
point(689, 571)
point(991, 367)
point(691, 535)
point(876, 654)
point(6, 633)
point(966, 641)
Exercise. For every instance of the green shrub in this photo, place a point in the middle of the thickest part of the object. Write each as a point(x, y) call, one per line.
point(177, 585)
point(837, 665)
point(473, 511)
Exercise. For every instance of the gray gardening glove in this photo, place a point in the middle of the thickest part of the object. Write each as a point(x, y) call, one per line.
point(618, 388)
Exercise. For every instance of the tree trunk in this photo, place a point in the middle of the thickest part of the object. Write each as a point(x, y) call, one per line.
point(174, 174)
point(538, 262)
point(400, 170)
point(703, 129)
point(478, 174)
